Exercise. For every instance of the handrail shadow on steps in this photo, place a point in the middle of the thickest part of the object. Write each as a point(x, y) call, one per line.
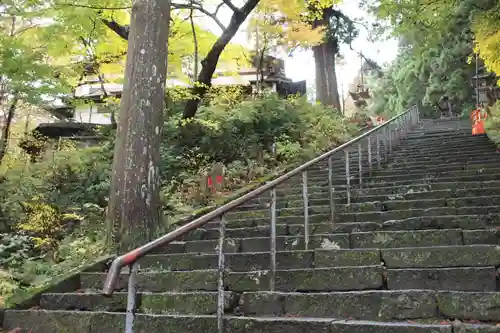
point(386, 136)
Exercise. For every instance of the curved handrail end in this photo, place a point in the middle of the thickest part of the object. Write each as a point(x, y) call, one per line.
point(112, 276)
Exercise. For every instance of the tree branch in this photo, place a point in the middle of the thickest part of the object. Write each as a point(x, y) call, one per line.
point(120, 30)
point(192, 5)
point(231, 5)
point(199, 7)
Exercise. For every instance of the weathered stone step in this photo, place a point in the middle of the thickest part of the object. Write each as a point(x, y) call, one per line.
point(43, 321)
point(435, 186)
point(316, 279)
point(442, 257)
point(363, 207)
point(434, 168)
point(441, 135)
point(443, 152)
point(407, 257)
point(409, 192)
point(433, 144)
point(198, 302)
point(461, 218)
point(440, 194)
point(340, 180)
point(372, 239)
point(441, 159)
point(480, 181)
point(485, 177)
point(467, 222)
point(422, 165)
point(260, 244)
point(244, 262)
point(403, 214)
point(456, 279)
point(373, 216)
point(379, 305)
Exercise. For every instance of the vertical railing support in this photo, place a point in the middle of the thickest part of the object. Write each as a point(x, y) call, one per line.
point(370, 165)
point(131, 299)
point(378, 149)
point(330, 189)
point(305, 196)
point(347, 177)
point(272, 266)
point(360, 164)
point(390, 135)
point(221, 269)
point(386, 145)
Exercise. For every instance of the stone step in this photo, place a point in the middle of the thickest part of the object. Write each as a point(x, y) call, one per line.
point(372, 239)
point(452, 279)
point(340, 180)
point(297, 208)
point(435, 143)
point(192, 303)
point(440, 194)
point(442, 257)
point(422, 165)
point(447, 158)
point(409, 192)
point(404, 257)
point(379, 305)
point(376, 305)
point(403, 214)
point(371, 216)
point(465, 221)
point(244, 262)
point(43, 321)
point(451, 167)
point(261, 244)
point(443, 152)
point(407, 257)
point(316, 279)
point(443, 183)
point(485, 177)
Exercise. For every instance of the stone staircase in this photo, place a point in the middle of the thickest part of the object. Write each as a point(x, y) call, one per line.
point(416, 251)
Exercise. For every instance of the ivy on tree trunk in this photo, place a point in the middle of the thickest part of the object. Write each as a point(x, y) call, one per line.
point(134, 210)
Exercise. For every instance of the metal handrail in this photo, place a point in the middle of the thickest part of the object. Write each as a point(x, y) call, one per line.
point(404, 122)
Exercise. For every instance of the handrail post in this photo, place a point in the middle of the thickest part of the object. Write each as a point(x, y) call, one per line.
point(387, 139)
point(272, 266)
point(221, 269)
point(360, 164)
point(378, 150)
point(131, 298)
point(305, 196)
point(370, 166)
point(330, 189)
point(390, 136)
point(347, 177)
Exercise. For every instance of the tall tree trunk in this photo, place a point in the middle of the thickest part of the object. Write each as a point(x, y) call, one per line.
point(326, 76)
point(134, 210)
point(4, 141)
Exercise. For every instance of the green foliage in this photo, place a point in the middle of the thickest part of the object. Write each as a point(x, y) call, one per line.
point(432, 62)
point(493, 124)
